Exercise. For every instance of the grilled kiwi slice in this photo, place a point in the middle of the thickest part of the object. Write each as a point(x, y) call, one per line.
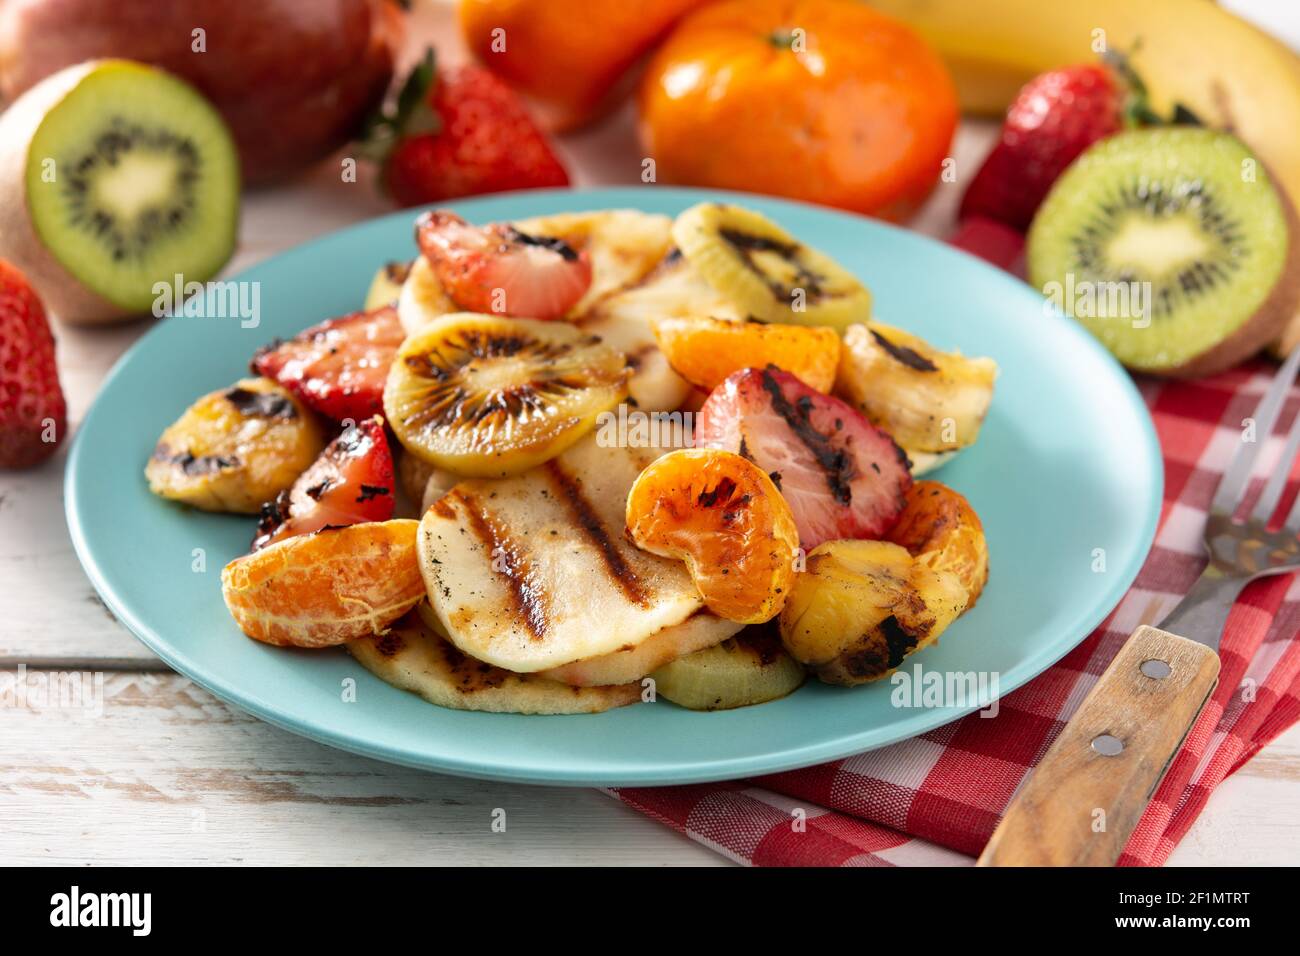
point(928, 400)
point(488, 396)
point(750, 668)
point(235, 448)
point(769, 274)
point(1173, 246)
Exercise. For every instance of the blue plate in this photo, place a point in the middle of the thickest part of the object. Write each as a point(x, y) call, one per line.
point(1067, 463)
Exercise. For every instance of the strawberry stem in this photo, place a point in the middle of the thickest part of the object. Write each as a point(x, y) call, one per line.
point(410, 113)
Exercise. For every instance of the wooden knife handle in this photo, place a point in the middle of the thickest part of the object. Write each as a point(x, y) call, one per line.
point(1081, 803)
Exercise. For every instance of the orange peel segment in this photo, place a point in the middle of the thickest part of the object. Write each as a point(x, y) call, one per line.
point(326, 588)
point(941, 530)
point(723, 516)
point(704, 351)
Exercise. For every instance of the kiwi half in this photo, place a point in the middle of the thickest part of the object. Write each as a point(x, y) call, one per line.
point(116, 176)
point(1173, 246)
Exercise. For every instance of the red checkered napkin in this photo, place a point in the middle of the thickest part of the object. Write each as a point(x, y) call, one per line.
point(935, 799)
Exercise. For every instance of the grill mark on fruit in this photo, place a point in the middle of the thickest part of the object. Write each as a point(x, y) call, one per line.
point(194, 466)
point(722, 491)
point(529, 601)
point(396, 272)
point(594, 530)
point(836, 464)
point(371, 491)
point(909, 357)
point(470, 674)
point(899, 642)
point(746, 245)
point(389, 644)
point(553, 243)
point(252, 404)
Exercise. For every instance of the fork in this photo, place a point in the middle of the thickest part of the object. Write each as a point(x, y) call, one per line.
point(1081, 803)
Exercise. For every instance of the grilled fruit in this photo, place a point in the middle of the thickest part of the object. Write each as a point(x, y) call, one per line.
point(697, 632)
point(415, 657)
point(930, 401)
point(534, 572)
point(1173, 246)
point(843, 477)
point(862, 606)
point(941, 530)
point(326, 588)
point(722, 515)
point(386, 286)
point(235, 448)
point(351, 482)
point(924, 462)
point(768, 273)
point(422, 299)
point(704, 351)
point(413, 474)
point(489, 396)
point(750, 668)
point(337, 367)
point(499, 269)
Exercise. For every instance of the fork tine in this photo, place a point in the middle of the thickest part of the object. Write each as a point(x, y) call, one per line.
point(1233, 483)
point(1272, 492)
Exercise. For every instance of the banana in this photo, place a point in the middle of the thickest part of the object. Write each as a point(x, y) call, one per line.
point(765, 271)
point(421, 299)
point(928, 400)
point(386, 286)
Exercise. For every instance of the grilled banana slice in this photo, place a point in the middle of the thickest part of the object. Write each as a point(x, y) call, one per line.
point(750, 668)
point(930, 401)
point(235, 448)
point(534, 572)
point(386, 286)
point(767, 272)
point(421, 299)
point(412, 656)
point(486, 395)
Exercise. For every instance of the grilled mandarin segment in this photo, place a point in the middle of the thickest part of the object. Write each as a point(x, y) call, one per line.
point(941, 530)
point(704, 351)
point(322, 589)
point(860, 607)
point(930, 401)
point(488, 396)
point(235, 448)
point(723, 516)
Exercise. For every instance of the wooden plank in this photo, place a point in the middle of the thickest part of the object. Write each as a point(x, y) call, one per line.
point(168, 774)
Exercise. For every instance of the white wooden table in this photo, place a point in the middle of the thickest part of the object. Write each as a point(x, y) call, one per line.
point(169, 774)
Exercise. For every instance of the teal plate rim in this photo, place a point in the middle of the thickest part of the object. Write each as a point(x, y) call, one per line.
point(79, 479)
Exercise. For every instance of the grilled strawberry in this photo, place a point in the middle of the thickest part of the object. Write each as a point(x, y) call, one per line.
point(33, 413)
point(459, 133)
point(350, 482)
point(1055, 117)
point(337, 368)
point(843, 477)
point(496, 268)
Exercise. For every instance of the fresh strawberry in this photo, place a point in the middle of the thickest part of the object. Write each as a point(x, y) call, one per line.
point(338, 367)
point(1055, 117)
point(459, 132)
point(496, 268)
point(843, 477)
point(351, 482)
point(33, 414)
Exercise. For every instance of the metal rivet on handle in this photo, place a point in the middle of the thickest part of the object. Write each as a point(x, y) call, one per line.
point(1156, 669)
point(1107, 746)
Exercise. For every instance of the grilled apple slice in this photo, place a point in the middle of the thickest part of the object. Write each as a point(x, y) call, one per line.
point(235, 448)
point(414, 657)
point(930, 401)
point(699, 631)
point(534, 572)
point(750, 668)
point(484, 395)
